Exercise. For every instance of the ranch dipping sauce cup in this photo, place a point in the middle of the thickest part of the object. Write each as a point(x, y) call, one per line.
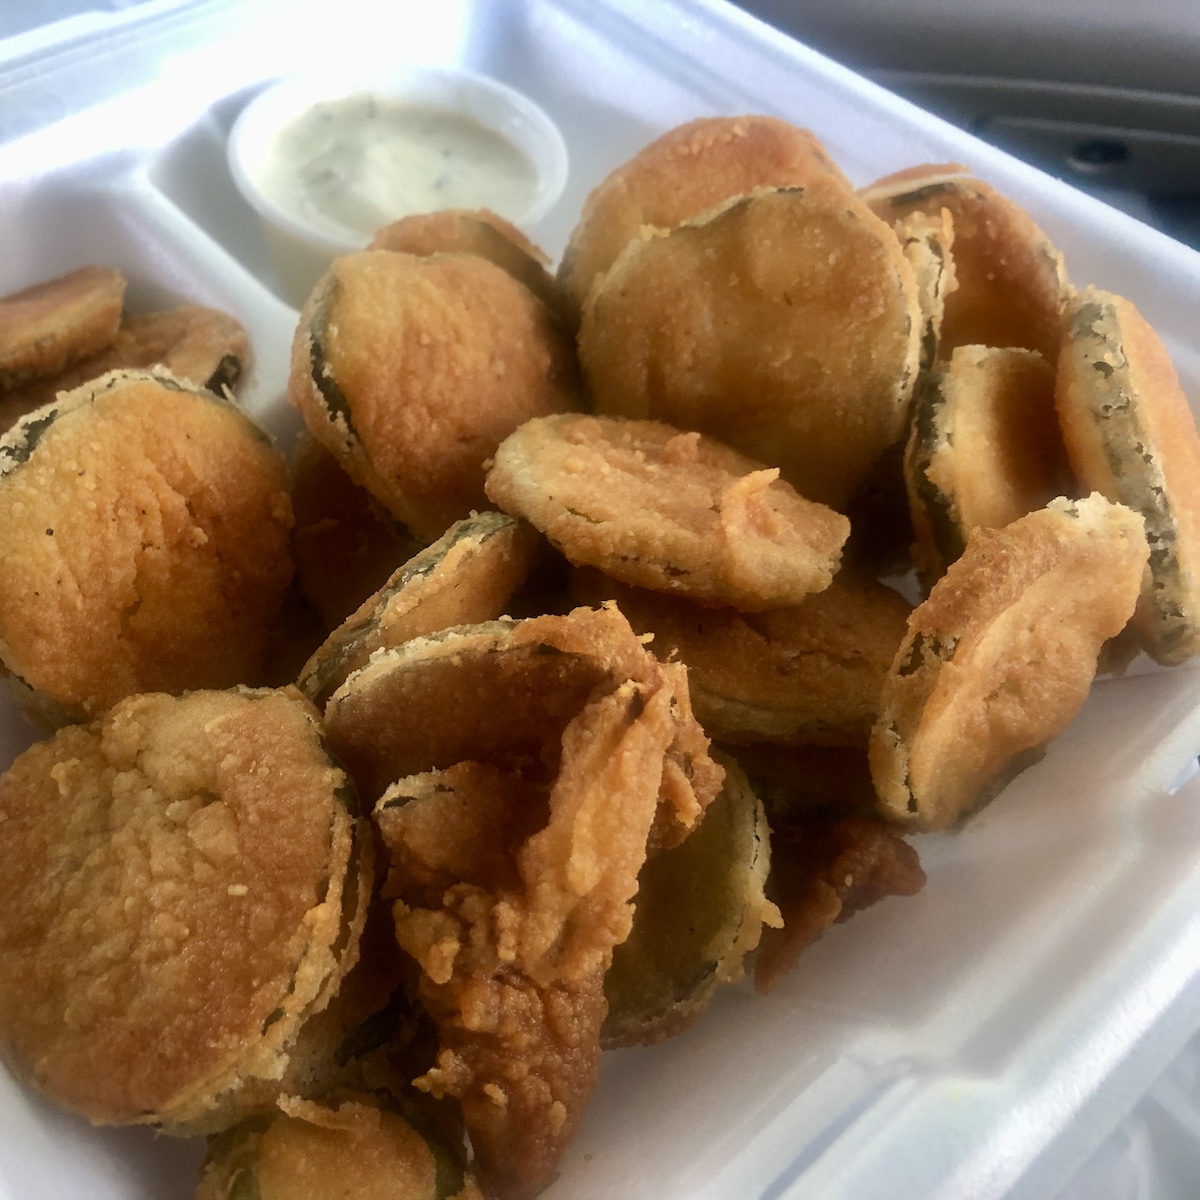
point(326, 162)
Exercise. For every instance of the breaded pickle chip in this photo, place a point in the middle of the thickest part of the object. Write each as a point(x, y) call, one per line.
point(1000, 657)
point(1011, 279)
point(202, 346)
point(512, 960)
point(785, 324)
point(823, 871)
point(467, 576)
point(671, 511)
point(143, 544)
point(411, 371)
point(482, 233)
point(984, 449)
point(51, 325)
point(502, 693)
point(347, 1147)
point(185, 884)
point(514, 867)
point(700, 911)
point(685, 172)
point(926, 240)
point(345, 542)
point(342, 1045)
point(1131, 435)
point(810, 674)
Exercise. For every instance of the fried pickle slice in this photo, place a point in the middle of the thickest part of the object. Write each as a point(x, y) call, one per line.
point(186, 884)
point(51, 325)
point(1130, 434)
point(1000, 657)
point(670, 511)
point(683, 173)
point(371, 1015)
point(202, 346)
point(927, 240)
point(144, 543)
point(502, 693)
point(785, 324)
point(349, 1145)
point(700, 910)
point(513, 959)
point(482, 233)
point(411, 371)
point(345, 543)
point(467, 576)
point(807, 675)
point(823, 871)
point(984, 449)
point(1011, 280)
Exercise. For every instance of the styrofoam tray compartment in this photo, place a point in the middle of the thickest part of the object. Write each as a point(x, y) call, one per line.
point(976, 1041)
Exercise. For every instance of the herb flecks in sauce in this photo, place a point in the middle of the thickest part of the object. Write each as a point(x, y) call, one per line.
point(351, 166)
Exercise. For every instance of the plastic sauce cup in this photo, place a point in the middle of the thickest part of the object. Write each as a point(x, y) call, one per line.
point(302, 251)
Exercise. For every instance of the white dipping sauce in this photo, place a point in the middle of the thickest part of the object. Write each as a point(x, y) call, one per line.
point(351, 166)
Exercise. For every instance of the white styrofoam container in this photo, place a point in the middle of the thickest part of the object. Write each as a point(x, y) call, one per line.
point(975, 1042)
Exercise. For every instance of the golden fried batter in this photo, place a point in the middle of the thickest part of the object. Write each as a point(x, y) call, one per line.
point(927, 240)
point(824, 872)
point(345, 542)
point(411, 371)
point(1131, 435)
point(502, 693)
point(685, 172)
point(1000, 657)
point(514, 976)
point(348, 1148)
point(467, 576)
point(1011, 279)
point(482, 233)
point(666, 510)
point(143, 544)
point(47, 327)
point(200, 345)
point(786, 324)
point(984, 449)
point(700, 910)
point(804, 675)
point(184, 885)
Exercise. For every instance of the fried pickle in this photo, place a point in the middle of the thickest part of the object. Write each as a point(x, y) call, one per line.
point(807, 675)
point(348, 1146)
point(51, 325)
point(1000, 657)
point(467, 576)
point(985, 449)
point(671, 511)
point(927, 240)
point(202, 346)
point(1131, 435)
point(535, 762)
point(1011, 280)
point(482, 233)
point(345, 543)
point(144, 543)
point(411, 371)
point(700, 911)
point(186, 883)
point(503, 692)
point(823, 871)
point(785, 324)
point(683, 173)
